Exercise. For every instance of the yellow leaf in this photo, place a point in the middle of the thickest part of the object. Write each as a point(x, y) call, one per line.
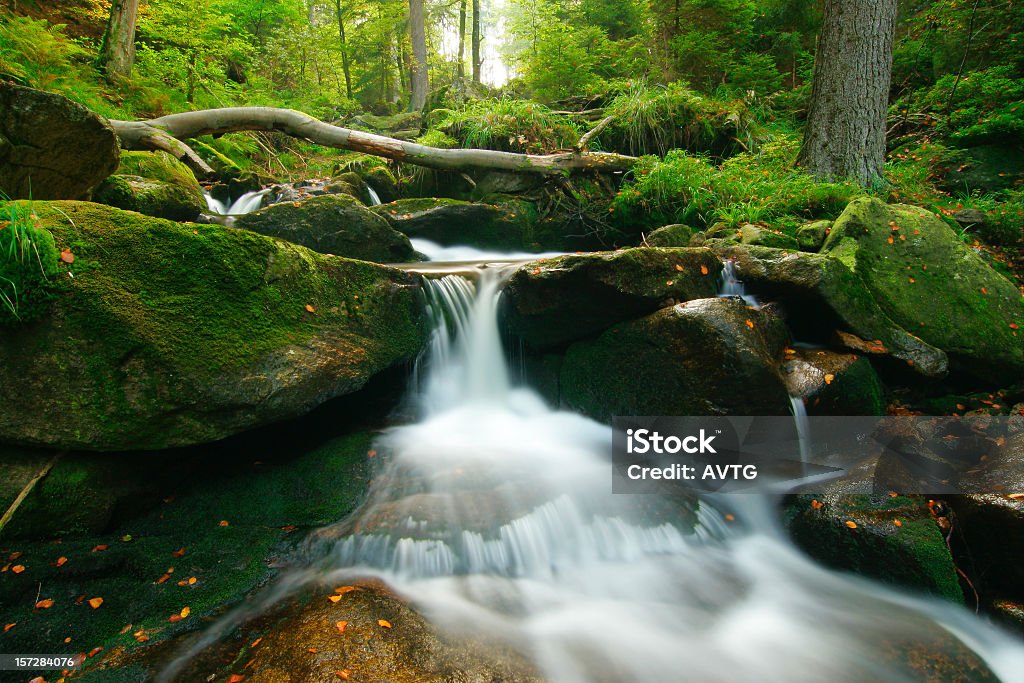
point(309, 307)
point(829, 377)
point(384, 623)
point(185, 611)
point(334, 598)
point(341, 626)
point(95, 602)
point(851, 524)
point(344, 674)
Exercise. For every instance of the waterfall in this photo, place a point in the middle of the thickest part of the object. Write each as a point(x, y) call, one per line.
point(374, 197)
point(494, 513)
point(247, 203)
point(731, 285)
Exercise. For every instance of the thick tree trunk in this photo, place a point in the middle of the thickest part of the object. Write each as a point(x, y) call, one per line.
point(344, 49)
point(845, 134)
point(165, 133)
point(117, 50)
point(418, 34)
point(477, 38)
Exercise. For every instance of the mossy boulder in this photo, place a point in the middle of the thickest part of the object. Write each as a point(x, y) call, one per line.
point(703, 357)
point(155, 184)
point(670, 236)
point(332, 224)
point(450, 222)
point(170, 334)
point(933, 285)
point(891, 539)
point(51, 147)
point(558, 300)
point(833, 383)
point(824, 294)
point(811, 237)
point(382, 181)
point(759, 235)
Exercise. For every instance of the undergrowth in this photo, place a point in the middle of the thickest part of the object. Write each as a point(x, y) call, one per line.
point(28, 265)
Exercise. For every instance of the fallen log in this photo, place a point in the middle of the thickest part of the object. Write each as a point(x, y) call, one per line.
point(167, 133)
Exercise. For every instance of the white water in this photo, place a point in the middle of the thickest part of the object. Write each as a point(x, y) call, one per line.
point(464, 254)
point(731, 285)
point(374, 197)
point(247, 203)
point(495, 516)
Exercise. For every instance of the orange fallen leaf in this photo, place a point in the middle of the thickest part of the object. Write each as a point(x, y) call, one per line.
point(1014, 326)
point(911, 280)
point(100, 548)
point(18, 568)
point(61, 561)
point(256, 642)
point(44, 604)
point(384, 623)
point(890, 240)
point(174, 618)
point(750, 323)
point(704, 270)
point(312, 650)
point(95, 651)
point(185, 611)
point(309, 307)
point(679, 268)
point(223, 522)
point(371, 454)
point(334, 598)
point(179, 552)
point(192, 580)
point(163, 578)
point(817, 504)
point(670, 282)
point(1016, 496)
point(829, 377)
point(15, 555)
point(66, 256)
point(345, 589)
point(730, 518)
point(344, 674)
point(8, 627)
point(95, 602)
point(851, 524)
point(341, 626)
point(238, 678)
point(67, 640)
point(141, 638)
point(897, 522)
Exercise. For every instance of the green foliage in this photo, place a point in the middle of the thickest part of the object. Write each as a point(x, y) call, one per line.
point(435, 138)
point(28, 264)
point(987, 106)
point(746, 188)
point(507, 124)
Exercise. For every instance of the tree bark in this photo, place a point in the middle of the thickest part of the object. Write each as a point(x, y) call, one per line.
point(460, 68)
point(418, 35)
point(477, 38)
point(344, 49)
point(845, 134)
point(117, 49)
point(165, 133)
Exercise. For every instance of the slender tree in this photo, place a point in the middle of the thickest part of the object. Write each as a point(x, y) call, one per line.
point(845, 133)
point(460, 68)
point(418, 34)
point(344, 48)
point(477, 38)
point(117, 49)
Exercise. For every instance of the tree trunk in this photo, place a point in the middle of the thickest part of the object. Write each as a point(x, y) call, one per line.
point(845, 134)
point(477, 37)
point(117, 50)
point(165, 133)
point(460, 68)
point(418, 34)
point(344, 50)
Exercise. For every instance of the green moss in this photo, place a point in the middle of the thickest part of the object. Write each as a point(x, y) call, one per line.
point(28, 264)
point(158, 166)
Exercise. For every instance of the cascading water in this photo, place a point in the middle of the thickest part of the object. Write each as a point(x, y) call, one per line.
point(731, 285)
point(495, 514)
point(374, 197)
point(247, 203)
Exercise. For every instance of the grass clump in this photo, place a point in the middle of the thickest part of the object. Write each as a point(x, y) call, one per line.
point(507, 124)
point(747, 188)
point(28, 264)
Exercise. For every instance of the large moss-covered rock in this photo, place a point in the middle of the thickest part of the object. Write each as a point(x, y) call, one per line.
point(153, 183)
point(703, 357)
point(833, 383)
point(171, 334)
point(759, 235)
point(451, 222)
point(825, 292)
point(332, 224)
point(677, 235)
point(933, 285)
point(895, 540)
point(51, 147)
point(559, 300)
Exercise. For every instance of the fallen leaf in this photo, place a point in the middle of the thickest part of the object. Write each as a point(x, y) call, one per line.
point(163, 578)
point(890, 240)
point(15, 555)
point(750, 323)
point(1014, 326)
point(61, 561)
point(341, 626)
point(371, 454)
point(95, 602)
point(334, 598)
point(238, 678)
point(384, 623)
point(18, 568)
point(345, 589)
point(679, 268)
point(44, 604)
point(174, 618)
point(141, 638)
point(67, 640)
point(66, 256)
point(851, 524)
point(344, 674)
point(100, 548)
point(179, 552)
point(95, 651)
point(309, 307)
point(728, 518)
point(817, 504)
point(312, 650)
point(185, 611)
point(829, 377)
point(223, 522)
point(8, 627)
point(256, 642)
point(897, 522)
point(704, 270)
point(192, 580)
point(911, 280)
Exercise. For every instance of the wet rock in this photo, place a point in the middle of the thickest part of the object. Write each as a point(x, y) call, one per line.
point(670, 236)
point(970, 217)
point(833, 383)
point(933, 285)
point(451, 222)
point(332, 224)
point(703, 357)
point(350, 184)
point(559, 300)
point(812, 236)
point(828, 292)
point(155, 184)
point(891, 539)
point(237, 330)
point(51, 147)
point(382, 181)
point(754, 234)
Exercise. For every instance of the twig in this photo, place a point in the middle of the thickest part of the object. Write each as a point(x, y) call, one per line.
point(27, 489)
point(963, 62)
point(581, 146)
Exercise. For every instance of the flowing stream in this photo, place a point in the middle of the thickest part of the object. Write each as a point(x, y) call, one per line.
point(493, 514)
point(226, 213)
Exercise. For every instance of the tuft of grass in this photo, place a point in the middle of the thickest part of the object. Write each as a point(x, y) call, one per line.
point(28, 262)
point(507, 124)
